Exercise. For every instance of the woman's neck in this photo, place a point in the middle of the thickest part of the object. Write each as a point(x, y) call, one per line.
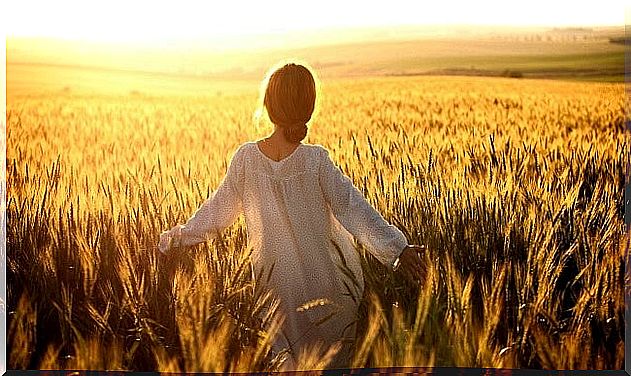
point(276, 146)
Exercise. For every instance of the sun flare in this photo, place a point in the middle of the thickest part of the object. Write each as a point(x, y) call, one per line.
point(120, 21)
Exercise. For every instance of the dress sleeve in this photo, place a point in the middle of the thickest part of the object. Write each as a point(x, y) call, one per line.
point(219, 211)
point(383, 240)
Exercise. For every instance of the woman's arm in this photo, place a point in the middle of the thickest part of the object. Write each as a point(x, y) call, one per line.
point(216, 213)
point(383, 240)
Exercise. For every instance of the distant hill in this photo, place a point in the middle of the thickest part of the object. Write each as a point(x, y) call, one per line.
point(574, 53)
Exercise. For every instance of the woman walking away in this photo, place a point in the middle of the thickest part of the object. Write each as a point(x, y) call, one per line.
point(301, 214)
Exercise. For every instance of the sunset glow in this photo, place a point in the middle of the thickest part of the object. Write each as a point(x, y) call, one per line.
point(223, 22)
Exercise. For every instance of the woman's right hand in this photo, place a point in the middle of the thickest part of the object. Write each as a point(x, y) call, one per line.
point(412, 264)
point(168, 237)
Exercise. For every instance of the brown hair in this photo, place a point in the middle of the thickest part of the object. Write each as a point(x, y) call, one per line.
point(289, 99)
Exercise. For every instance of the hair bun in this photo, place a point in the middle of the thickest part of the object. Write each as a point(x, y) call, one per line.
point(295, 133)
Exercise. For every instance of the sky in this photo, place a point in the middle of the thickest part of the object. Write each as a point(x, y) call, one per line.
point(147, 21)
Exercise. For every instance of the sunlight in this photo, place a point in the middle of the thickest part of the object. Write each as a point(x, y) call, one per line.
point(227, 21)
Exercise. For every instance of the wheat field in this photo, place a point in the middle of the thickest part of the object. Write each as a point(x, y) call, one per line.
point(515, 186)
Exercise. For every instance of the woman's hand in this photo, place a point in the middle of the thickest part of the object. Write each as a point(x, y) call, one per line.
point(168, 237)
point(411, 263)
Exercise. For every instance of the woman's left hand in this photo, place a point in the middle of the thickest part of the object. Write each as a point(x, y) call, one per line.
point(412, 264)
point(168, 237)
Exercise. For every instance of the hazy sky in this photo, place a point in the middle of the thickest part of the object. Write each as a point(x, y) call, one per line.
point(146, 20)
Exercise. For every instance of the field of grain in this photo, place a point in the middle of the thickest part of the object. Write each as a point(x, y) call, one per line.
point(515, 186)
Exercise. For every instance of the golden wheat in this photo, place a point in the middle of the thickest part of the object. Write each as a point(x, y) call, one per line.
point(515, 186)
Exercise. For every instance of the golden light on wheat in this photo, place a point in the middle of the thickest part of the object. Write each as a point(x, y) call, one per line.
point(515, 186)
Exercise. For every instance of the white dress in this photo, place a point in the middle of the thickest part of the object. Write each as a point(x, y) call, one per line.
point(301, 215)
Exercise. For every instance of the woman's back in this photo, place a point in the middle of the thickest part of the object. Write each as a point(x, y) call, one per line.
point(293, 233)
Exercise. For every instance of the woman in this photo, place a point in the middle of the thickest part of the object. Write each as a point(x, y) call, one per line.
point(301, 214)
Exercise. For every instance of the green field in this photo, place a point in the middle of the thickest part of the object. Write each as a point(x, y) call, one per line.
point(608, 66)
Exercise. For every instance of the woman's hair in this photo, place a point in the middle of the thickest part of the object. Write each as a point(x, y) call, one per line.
point(290, 99)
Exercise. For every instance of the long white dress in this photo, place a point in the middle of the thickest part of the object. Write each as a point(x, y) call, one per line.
point(301, 214)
